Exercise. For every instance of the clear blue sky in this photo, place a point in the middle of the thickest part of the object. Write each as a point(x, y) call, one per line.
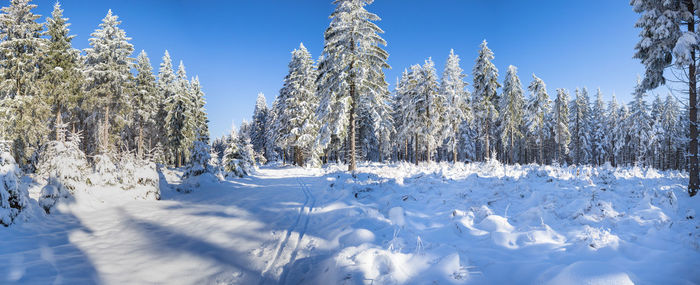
point(240, 48)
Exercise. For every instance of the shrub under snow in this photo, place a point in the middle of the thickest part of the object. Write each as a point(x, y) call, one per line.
point(66, 166)
point(13, 199)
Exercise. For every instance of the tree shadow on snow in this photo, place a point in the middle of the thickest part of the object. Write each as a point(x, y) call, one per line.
point(40, 250)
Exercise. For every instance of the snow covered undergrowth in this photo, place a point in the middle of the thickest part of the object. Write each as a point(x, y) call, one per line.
point(466, 224)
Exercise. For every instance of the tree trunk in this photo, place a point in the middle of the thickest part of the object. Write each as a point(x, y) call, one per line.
point(487, 148)
point(694, 181)
point(415, 144)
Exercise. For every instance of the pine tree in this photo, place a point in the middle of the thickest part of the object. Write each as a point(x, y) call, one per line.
point(200, 122)
point(538, 107)
point(108, 77)
point(599, 136)
point(26, 112)
point(484, 96)
point(351, 67)
point(145, 104)
point(62, 75)
point(612, 124)
point(298, 126)
point(640, 126)
point(178, 129)
point(562, 136)
point(258, 133)
point(622, 137)
point(429, 104)
point(511, 103)
point(670, 139)
point(668, 37)
point(456, 108)
point(579, 124)
point(165, 90)
point(238, 159)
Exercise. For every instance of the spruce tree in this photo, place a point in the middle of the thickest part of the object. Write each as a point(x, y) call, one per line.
point(260, 116)
point(538, 107)
point(145, 105)
point(484, 96)
point(599, 135)
point(298, 126)
point(166, 90)
point(21, 49)
point(351, 67)
point(62, 75)
point(511, 115)
point(580, 127)
point(456, 109)
point(562, 136)
point(639, 126)
point(668, 37)
point(178, 129)
point(108, 75)
point(612, 123)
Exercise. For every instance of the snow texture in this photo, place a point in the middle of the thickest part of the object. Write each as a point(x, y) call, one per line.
point(479, 223)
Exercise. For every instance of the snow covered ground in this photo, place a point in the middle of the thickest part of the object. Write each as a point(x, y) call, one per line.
point(466, 224)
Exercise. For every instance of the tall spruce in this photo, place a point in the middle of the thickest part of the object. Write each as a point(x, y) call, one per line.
point(538, 107)
point(668, 38)
point(26, 113)
point(485, 96)
point(145, 105)
point(455, 106)
point(512, 103)
point(562, 135)
point(298, 126)
point(108, 76)
point(351, 66)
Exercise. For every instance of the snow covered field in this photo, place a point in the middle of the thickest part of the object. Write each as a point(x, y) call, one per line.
point(480, 223)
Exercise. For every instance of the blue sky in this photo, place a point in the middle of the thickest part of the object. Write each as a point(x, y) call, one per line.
point(240, 48)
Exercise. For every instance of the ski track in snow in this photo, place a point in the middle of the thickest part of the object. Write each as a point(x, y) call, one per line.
point(389, 224)
point(304, 214)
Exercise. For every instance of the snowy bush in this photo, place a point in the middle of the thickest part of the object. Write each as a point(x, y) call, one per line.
point(146, 181)
point(138, 176)
point(239, 157)
point(64, 162)
point(53, 192)
point(12, 199)
point(199, 159)
point(105, 171)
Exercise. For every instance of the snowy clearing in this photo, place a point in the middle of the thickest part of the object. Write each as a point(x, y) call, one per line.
point(482, 223)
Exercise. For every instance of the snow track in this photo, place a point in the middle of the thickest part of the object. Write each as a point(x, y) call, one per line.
point(303, 217)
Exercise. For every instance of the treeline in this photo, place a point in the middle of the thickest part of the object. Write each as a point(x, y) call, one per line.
point(339, 108)
point(114, 102)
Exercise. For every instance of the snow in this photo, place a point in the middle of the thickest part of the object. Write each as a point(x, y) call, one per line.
point(481, 223)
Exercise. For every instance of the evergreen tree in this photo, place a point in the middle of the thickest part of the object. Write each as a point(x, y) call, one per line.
point(670, 140)
point(62, 75)
point(429, 104)
point(298, 126)
point(668, 37)
point(108, 77)
point(579, 124)
point(258, 133)
point(200, 122)
point(599, 135)
point(26, 113)
point(484, 96)
point(562, 136)
point(178, 129)
point(165, 90)
point(456, 109)
point(511, 103)
point(351, 68)
point(145, 104)
point(639, 126)
point(538, 107)
point(612, 124)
